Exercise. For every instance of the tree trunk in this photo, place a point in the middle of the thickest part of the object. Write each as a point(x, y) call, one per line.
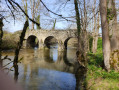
point(15, 63)
point(95, 38)
point(105, 34)
point(114, 34)
point(33, 16)
point(54, 24)
point(32, 3)
point(112, 20)
point(97, 31)
point(37, 13)
point(94, 29)
point(38, 21)
point(26, 9)
point(1, 35)
point(81, 53)
point(85, 16)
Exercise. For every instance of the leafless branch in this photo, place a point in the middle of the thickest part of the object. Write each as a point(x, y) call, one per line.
point(8, 64)
point(92, 17)
point(6, 57)
point(10, 10)
point(66, 2)
point(54, 12)
point(24, 12)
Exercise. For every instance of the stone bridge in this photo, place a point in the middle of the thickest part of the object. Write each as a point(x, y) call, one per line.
point(43, 36)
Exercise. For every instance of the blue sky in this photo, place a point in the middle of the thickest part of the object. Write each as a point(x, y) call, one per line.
point(60, 8)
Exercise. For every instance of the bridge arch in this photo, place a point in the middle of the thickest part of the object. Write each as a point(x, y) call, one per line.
point(62, 37)
point(72, 41)
point(32, 41)
point(50, 40)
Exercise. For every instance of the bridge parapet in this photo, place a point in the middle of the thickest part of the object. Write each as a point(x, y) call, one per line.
point(43, 30)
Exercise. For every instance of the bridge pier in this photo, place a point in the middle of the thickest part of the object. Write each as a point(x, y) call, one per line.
point(61, 46)
point(41, 44)
point(24, 44)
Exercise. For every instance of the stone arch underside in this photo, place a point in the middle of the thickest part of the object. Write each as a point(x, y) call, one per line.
point(50, 40)
point(72, 41)
point(32, 41)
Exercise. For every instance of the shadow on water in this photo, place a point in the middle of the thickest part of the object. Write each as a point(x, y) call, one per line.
point(48, 69)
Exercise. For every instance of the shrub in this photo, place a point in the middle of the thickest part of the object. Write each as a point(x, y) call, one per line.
point(9, 40)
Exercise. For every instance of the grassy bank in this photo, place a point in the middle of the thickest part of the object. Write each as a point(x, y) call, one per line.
point(97, 77)
point(10, 40)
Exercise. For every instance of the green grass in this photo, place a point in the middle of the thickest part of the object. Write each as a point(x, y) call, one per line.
point(97, 77)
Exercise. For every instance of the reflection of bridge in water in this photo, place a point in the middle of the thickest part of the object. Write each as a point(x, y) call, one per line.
point(41, 38)
point(41, 71)
point(44, 59)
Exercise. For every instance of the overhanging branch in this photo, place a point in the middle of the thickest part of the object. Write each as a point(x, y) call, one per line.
point(24, 12)
point(54, 12)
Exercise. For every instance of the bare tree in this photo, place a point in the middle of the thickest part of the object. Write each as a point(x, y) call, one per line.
point(54, 24)
point(15, 5)
point(19, 45)
point(82, 49)
point(32, 4)
point(25, 3)
point(105, 34)
point(35, 11)
point(95, 30)
point(114, 34)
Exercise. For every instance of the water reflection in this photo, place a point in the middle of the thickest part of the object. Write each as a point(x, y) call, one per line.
point(47, 69)
point(46, 59)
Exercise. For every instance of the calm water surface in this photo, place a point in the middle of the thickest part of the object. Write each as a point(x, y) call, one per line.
point(45, 69)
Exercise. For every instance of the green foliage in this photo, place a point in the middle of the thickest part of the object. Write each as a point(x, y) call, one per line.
point(95, 59)
point(8, 44)
point(110, 14)
point(90, 42)
point(99, 44)
point(97, 72)
point(10, 40)
point(97, 76)
point(114, 60)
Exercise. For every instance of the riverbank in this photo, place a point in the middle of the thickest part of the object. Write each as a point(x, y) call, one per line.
point(97, 77)
point(9, 40)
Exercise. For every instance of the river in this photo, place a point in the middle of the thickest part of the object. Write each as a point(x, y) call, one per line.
point(46, 69)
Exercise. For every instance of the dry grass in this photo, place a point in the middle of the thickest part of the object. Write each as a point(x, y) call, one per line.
point(102, 84)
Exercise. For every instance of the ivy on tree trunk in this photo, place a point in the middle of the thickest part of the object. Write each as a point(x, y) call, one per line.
point(81, 53)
